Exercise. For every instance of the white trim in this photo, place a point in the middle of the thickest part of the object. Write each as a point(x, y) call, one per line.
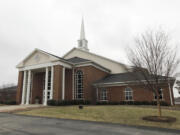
point(79, 87)
point(46, 87)
point(128, 95)
point(56, 58)
point(170, 93)
point(120, 83)
point(34, 51)
point(52, 81)
point(73, 84)
point(28, 87)
point(24, 88)
point(103, 95)
point(63, 83)
point(97, 95)
point(91, 64)
point(92, 54)
point(162, 94)
point(45, 65)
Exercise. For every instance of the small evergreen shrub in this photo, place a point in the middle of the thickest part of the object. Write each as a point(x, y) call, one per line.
point(8, 102)
point(68, 102)
point(132, 103)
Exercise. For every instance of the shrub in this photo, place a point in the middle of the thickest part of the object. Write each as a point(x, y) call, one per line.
point(131, 103)
point(68, 102)
point(51, 102)
point(8, 102)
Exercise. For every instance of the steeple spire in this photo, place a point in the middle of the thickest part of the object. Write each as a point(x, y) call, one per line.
point(82, 35)
point(82, 42)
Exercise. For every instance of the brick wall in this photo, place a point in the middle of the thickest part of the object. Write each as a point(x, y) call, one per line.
point(116, 93)
point(68, 84)
point(57, 94)
point(91, 75)
point(19, 88)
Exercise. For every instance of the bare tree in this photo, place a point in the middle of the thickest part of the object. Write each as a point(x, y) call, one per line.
point(155, 60)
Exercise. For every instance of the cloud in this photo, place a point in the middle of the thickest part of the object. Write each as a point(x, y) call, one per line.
point(54, 26)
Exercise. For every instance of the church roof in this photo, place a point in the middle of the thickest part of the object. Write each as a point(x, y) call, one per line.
point(76, 60)
point(124, 78)
point(121, 77)
point(73, 49)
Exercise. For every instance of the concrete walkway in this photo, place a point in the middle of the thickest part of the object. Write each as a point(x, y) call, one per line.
point(12, 108)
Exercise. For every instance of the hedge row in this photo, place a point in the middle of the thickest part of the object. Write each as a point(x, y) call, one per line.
point(8, 102)
point(71, 102)
point(132, 103)
point(82, 102)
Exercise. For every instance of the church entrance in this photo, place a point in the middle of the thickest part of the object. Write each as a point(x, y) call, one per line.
point(38, 83)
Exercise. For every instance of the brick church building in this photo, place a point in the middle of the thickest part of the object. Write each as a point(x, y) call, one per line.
point(80, 75)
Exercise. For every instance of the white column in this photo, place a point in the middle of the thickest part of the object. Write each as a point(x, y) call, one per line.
point(97, 94)
point(63, 83)
point(46, 87)
point(52, 81)
point(73, 84)
point(28, 87)
point(170, 94)
point(24, 89)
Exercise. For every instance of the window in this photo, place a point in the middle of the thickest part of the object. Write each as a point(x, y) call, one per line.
point(160, 94)
point(49, 80)
point(79, 95)
point(103, 95)
point(128, 94)
point(49, 90)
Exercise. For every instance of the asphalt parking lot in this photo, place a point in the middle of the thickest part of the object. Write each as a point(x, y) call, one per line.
point(12, 124)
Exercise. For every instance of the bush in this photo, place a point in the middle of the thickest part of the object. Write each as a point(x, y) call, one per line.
point(131, 103)
point(68, 102)
point(86, 102)
point(52, 102)
point(8, 102)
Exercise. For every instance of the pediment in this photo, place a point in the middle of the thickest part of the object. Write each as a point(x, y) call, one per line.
point(37, 57)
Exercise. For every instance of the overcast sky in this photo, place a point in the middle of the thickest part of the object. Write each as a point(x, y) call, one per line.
point(54, 26)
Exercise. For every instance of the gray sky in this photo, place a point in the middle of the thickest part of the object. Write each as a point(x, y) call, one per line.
point(54, 26)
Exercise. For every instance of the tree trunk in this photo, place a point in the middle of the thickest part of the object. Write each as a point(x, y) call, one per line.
point(159, 106)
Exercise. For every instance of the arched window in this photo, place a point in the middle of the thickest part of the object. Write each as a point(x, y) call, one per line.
point(128, 94)
point(79, 94)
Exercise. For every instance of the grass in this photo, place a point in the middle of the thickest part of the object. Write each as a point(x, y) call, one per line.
point(129, 115)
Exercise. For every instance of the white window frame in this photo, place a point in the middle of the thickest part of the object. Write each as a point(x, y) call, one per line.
point(79, 86)
point(128, 93)
point(155, 97)
point(103, 94)
point(49, 91)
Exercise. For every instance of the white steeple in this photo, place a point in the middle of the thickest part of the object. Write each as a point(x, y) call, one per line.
point(82, 42)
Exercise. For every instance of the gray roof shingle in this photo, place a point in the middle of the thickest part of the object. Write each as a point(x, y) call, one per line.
point(124, 77)
point(76, 60)
point(121, 77)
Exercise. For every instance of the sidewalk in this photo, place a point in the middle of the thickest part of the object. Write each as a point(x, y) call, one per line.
point(13, 108)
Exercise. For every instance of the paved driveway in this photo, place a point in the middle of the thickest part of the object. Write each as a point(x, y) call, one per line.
point(25, 125)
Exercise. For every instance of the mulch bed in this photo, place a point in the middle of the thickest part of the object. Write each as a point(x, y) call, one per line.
point(165, 119)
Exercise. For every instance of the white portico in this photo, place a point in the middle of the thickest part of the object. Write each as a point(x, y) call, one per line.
point(40, 65)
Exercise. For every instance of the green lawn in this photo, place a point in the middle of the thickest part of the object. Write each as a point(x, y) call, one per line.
point(130, 115)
